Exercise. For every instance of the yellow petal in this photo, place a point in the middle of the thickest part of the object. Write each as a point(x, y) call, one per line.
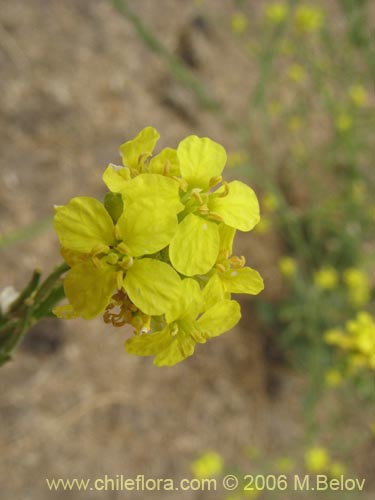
point(154, 191)
point(115, 177)
point(152, 286)
point(65, 311)
point(191, 303)
point(89, 289)
point(165, 163)
point(239, 208)
point(146, 229)
point(195, 246)
point(243, 280)
point(201, 159)
point(72, 257)
point(213, 292)
point(167, 349)
point(180, 347)
point(136, 151)
point(148, 344)
point(227, 234)
point(83, 224)
point(219, 318)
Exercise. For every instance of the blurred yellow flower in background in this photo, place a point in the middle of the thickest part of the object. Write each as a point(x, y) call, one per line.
point(296, 73)
point(274, 108)
point(237, 158)
point(344, 122)
point(358, 95)
point(337, 469)
point(358, 285)
point(294, 123)
point(276, 12)
point(285, 464)
point(333, 378)
point(209, 464)
point(316, 459)
point(287, 266)
point(308, 18)
point(326, 278)
point(270, 202)
point(239, 23)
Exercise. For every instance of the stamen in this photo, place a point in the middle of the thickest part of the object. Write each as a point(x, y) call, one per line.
point(126, 263)
point(237, 262)
point(98, 249)
point(119, 279)
point(215, 216)
point(174, 330)
point(204, 210)
point(226, 190)
point(196, 194)
point(167, 167)
point(221, 267)
point(214, 181)
point(96, 261)
point(143, 157)
point(122, 248)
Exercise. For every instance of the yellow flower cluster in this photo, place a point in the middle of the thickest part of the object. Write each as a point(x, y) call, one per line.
point(308, 18)
point(358, 286)
point(276, 12)
point(357, 339)
point(209, 464)
point(326, 278)
point(317, 459)
point(157, 254)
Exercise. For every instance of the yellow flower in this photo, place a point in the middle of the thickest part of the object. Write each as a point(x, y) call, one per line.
point(209, 464)
point(264, 226)
point(358, 95)
point(276, 12)
point(333, 378)
point(191, 321)
point(285, 464)
point(157, 253)
point(239, 23)
point(337, 469)
point(316, 459)
point(294, 123)
point(102, 255)
point(358, 340)
point(326, 278)
point(230, 275)
point(358, 285)
point(270, 202)
point(308, 18)
point(274, 108)
point(195, 246)
point(296, 73)
point(287, 266)
point(237, 158)
point(344, 122)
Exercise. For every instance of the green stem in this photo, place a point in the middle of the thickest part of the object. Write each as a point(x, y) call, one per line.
point(32, 305)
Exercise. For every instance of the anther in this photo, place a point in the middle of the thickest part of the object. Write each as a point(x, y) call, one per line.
point(167, 167)
point(196, 194)
point(215, 216)
point(214, 181)
point(221, 267)
point(226, 190)
point(119, 279)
